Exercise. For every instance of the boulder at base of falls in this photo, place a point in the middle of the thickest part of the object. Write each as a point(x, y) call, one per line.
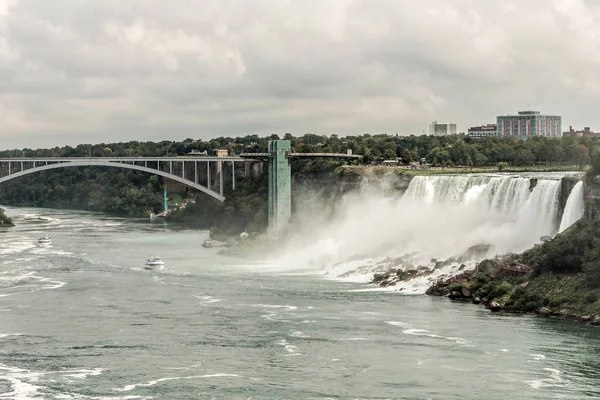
point(486, 267)
point(476, 252)
point(393, 275)
point(494, 306)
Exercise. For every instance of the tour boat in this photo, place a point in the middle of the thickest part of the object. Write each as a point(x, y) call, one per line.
point(154, 261)
point(44, 240)
point(209, 243)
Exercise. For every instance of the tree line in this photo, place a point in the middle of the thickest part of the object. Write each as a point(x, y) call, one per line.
point(134, 193)
point(451, 150)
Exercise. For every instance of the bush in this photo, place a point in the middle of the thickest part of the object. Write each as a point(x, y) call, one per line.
point(455, 287)
point(559, 301)
point(500, 290)
point(575, 250)
point(590, 297)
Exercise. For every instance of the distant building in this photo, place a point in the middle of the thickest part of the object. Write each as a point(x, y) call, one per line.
point(528, 124)
point(442, 129)
point(198, 153)
point(478, 132)
point(221, 153)
point(586, 132)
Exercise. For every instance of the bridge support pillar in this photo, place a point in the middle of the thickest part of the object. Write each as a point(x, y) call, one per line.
point(280, 189)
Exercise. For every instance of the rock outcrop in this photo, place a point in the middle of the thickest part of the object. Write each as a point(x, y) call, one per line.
point(4, 220)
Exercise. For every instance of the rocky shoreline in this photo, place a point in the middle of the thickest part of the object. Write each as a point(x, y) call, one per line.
point(559, 278)
point(4, 220)
point(511, 282)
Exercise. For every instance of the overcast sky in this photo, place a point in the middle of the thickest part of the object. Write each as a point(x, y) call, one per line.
point(90, 71)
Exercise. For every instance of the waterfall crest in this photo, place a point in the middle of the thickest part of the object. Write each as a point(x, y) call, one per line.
point(574, 207)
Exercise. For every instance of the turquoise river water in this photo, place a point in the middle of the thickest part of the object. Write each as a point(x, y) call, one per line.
point(82, 319)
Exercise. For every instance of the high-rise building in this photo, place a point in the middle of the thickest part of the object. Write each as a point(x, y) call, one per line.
point(478, 132)
point(528, 124)
point(442, 129)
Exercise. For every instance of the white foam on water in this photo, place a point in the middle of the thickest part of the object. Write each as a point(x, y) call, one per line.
point(16, 245)
point(27, 282)
point(27, 385)
point(556, 379)
point(397, 323)
point(425, 332)
point(175, 378)
point(283, 306)
point(207, 299)
point(538, 357)
point(290, 348)
point(299, 334)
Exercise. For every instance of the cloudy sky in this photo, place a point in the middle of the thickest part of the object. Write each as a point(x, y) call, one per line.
point(89, 71)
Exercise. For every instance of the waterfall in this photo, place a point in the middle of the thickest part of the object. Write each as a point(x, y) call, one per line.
point(439, 217)
point(509, 196)
point(574, 207)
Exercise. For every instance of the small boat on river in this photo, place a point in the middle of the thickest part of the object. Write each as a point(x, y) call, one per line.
point(44, 240)
point(154, 261)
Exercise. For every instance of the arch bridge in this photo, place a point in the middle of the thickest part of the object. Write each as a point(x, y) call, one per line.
point(199, 172)
point(202, 173)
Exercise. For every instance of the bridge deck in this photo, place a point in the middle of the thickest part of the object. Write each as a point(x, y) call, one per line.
point(121, 159)
point(311, 155)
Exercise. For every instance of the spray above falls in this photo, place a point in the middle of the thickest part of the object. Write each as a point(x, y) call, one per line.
point(437, 218)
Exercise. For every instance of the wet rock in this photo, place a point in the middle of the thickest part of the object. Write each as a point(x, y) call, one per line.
point(476, 300)
point(465, 292)
point(495, 306)
point(585, 318)
point(544, 311)
point(476, 252)
point(378, 278)
point(486, 267)
point(595, 320)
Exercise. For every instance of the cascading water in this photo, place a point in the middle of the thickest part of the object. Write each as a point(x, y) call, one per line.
point(574, 207)
point(438, 218)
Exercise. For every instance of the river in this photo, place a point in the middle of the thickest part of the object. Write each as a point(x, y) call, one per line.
point(82, 319)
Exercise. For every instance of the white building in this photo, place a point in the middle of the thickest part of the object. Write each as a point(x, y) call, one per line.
point(436, 129)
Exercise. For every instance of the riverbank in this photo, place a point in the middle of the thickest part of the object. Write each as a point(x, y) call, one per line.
point(4, 220)
point(559, 278)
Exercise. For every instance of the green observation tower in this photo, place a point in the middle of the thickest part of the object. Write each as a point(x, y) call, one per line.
point(280, 190)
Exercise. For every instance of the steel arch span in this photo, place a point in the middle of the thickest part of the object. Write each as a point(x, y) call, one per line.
point(78, 163)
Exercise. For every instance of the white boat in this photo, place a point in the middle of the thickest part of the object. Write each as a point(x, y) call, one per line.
point(154, 261)
point(209, 243)
point(45, 240)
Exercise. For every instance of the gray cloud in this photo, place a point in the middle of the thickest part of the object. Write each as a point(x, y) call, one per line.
point(110, 70)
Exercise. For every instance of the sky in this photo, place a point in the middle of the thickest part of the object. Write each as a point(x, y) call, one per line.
point(100, 71)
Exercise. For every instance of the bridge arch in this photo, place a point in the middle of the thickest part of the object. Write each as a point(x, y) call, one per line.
point(114, 165)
